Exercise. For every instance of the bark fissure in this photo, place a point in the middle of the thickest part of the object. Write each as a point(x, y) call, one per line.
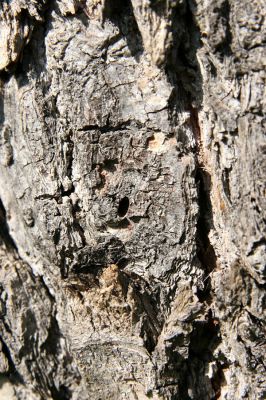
point(4, 230)
point(12, 372)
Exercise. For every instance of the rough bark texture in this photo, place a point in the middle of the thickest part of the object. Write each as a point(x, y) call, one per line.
point(132, 199)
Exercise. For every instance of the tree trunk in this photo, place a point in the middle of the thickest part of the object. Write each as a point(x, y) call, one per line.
point(131, 184)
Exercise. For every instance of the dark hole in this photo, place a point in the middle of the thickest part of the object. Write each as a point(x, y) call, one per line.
point(4, 229)
point(110, 165)
point(123, 207)
point(123, 262)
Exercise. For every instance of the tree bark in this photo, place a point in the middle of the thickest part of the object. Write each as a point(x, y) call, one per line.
point(132, 236)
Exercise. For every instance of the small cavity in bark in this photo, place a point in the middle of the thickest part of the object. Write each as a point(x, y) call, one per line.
point(123, 207)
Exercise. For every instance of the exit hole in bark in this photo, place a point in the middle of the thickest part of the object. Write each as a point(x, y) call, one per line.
point(123, 207)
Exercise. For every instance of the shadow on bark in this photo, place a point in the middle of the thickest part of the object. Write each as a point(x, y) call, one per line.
point(4, 230)
point(120, 12)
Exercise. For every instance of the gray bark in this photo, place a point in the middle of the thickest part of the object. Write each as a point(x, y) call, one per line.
point(132, 199)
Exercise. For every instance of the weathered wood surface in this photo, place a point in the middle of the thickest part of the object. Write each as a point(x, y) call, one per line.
point(132, 195)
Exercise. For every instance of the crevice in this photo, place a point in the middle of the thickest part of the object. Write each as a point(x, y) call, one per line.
point(47, 290)
point(19, 67)
point(205, 251)
point(120, 13)
point(70, 157)
point(62, 393)
point(65, 255)
point(256, 244)
point(206, 334)
point(67, 193)
point(105, 128)
point(51, 344)
point(145, 308)
point(224, 47)
point(52, 347)
point(12, 373)
point(226, 183)
point(204, 339)
point(5, 76)
point(81, 6)
point(182, 67)
point(4, 230)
